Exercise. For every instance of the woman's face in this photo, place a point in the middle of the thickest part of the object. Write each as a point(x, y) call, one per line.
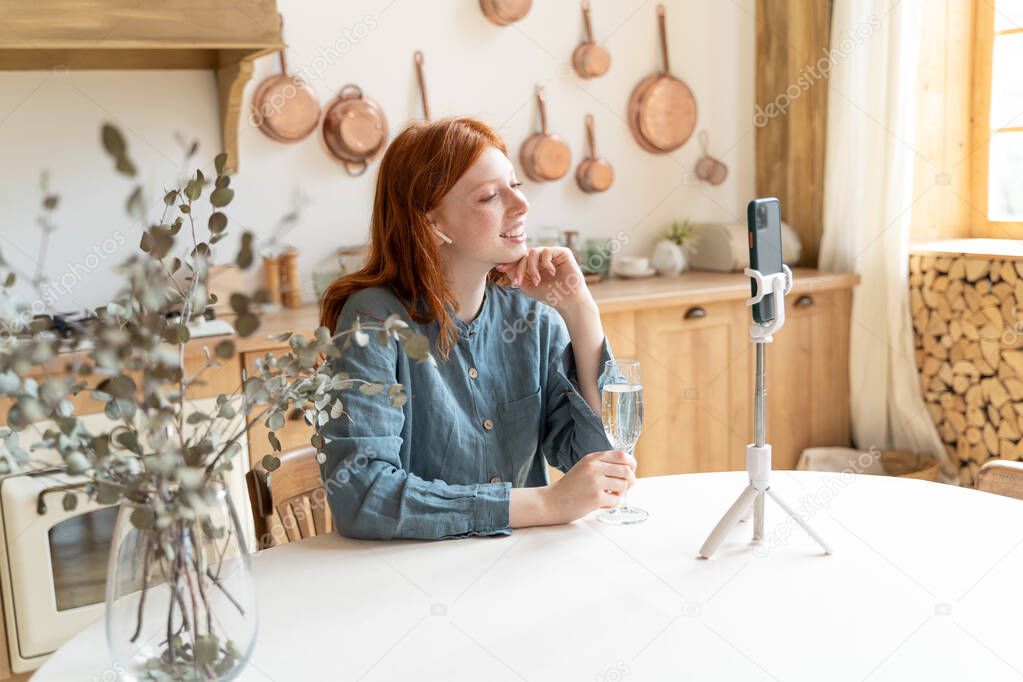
point(484, 213)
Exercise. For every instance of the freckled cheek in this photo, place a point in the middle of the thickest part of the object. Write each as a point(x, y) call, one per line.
point(487, 220)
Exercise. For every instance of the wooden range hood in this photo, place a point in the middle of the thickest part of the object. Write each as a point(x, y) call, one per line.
point(222, 35)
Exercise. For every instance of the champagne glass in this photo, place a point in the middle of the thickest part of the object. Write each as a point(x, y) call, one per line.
point(621, 398)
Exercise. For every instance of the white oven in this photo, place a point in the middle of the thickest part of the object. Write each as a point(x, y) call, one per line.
point(53, 565)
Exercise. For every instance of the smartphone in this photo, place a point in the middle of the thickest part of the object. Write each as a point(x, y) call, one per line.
point(763, 216)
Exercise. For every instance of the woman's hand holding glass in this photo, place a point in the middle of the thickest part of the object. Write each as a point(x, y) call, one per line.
point(597, 481)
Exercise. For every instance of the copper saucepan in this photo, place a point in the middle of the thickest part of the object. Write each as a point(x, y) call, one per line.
point(662, 109)
point(590, 59)
point(284, 107)
point(354, 129)
point(418, 58)
point(594, 173)
point(544, 155)
point(504, 12)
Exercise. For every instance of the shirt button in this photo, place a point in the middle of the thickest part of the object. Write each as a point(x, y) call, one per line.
point(473, 373)
point(488, 425)
point(495, 479)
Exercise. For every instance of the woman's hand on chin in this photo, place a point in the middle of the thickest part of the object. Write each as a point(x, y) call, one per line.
point(549, 274)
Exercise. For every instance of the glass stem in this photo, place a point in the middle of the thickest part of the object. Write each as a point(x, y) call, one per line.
point(624, 504)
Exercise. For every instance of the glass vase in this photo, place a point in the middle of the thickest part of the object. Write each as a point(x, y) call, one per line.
point(180, 600)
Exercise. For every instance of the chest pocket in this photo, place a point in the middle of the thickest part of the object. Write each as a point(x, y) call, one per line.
point(519, 427)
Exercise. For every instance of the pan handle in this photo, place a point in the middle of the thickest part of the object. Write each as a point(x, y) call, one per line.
point(280, 52)
point(542, 103)
point(586, 21)
point(664, 39)
point(422, 84)
point(590, 136)
point(360, 167)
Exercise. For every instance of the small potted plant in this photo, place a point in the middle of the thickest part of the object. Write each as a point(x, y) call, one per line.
point(670, 255)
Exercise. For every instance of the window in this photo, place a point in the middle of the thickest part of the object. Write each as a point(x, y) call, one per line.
point(998, 117)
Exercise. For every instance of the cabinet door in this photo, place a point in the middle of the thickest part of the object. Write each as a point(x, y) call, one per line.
point(808, 376)
point(694, 416)
point(295, 434)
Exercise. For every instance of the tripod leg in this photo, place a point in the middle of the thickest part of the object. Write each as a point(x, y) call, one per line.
point(805, 526)
point(727, 522)
point(758, 518)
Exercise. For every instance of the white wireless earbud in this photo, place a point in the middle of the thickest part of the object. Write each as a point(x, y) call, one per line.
point(447, 239)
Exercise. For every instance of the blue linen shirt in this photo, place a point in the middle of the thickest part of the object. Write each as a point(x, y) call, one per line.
point(504, 404)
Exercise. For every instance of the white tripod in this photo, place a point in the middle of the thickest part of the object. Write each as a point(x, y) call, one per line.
point(758, 453)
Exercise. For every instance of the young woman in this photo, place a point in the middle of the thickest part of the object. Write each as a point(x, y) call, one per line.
point(515, 383)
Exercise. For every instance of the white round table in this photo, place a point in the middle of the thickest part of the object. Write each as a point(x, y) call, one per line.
point(922, 585)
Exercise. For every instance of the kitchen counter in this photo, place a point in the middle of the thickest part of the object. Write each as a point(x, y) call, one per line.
point(612, 295)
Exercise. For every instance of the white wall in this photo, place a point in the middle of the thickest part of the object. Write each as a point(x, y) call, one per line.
point(51, 121)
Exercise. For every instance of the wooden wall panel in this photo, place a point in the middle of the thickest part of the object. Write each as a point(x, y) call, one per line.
point(791, 35)
point(942, 174)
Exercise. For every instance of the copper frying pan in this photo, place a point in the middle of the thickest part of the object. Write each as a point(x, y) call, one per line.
point(594, 173)
point(590, 59)
point(418, 57)
point(504, 12)
point(544, 155)
point(354, 129)
point(662, 109)
point(284, 107)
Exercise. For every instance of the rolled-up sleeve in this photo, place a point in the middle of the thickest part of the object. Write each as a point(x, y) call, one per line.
point(370, 492)
point(571, 428)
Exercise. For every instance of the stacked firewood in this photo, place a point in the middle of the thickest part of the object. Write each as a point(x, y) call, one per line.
point(969, 350)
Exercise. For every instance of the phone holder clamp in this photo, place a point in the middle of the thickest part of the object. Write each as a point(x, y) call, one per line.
point(777, 286)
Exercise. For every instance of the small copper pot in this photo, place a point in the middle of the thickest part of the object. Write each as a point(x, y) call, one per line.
point(594, 173)
point(504, 12)
point(590, 59)
point(544, 155)
point(354, 129)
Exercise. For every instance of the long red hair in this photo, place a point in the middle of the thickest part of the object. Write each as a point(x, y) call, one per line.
point(419, 167)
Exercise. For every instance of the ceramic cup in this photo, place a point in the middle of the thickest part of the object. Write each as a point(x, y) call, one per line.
point(633, 265)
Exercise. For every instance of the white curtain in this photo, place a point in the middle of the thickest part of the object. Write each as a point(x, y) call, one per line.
point(868, 200)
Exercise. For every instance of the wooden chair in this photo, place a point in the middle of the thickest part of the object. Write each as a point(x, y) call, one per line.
point(291, 503)
point(1002, 477)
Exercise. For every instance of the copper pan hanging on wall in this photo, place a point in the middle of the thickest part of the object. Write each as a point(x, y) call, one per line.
point(504, 12)
point(590, 59)
point(284, 107)
point(544, 155)
point(662, 109)
point(354, 129)
point(594, 173)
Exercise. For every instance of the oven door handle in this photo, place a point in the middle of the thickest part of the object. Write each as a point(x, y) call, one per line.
point(41, 498)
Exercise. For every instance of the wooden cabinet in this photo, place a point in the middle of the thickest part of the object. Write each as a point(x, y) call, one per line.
point(698, 371)
point(807, 376)
point(692, 418)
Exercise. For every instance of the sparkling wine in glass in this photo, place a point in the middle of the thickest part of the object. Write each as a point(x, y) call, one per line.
point(621, 397)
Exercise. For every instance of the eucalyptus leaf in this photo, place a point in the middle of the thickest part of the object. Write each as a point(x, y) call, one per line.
point(221, 196)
